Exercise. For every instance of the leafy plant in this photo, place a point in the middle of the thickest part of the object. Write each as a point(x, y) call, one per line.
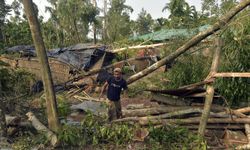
point(174, 138)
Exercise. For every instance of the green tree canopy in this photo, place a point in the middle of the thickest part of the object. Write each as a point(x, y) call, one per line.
point(144, 22)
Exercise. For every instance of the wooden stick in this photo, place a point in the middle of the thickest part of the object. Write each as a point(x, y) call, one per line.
point(232, 75)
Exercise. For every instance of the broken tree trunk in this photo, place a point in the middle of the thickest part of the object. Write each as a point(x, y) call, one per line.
point(210, 89)
point(232, 75)
point(45, 69)
point(195, 40)
point(195, 121)
point(41, 128)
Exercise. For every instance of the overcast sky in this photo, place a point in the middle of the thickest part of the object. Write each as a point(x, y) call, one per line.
point(154, 7)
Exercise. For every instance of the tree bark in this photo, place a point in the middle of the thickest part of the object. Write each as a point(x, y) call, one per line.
point(153, 111)
point(210, 89)
point(45, 69)
point(195, 121)
point(195, 40)
point(94, 25)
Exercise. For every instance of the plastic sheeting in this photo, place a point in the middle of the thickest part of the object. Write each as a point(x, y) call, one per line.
point(81, 56)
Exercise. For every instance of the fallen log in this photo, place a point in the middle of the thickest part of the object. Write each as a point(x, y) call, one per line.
point(152, 111)
point(195, 121)
point(183, 113)
point(178, 113)
point(43, 129)
point(222, 21)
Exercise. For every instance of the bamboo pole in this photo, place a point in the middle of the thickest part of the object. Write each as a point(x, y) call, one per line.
point(137, 47)
point(222, 21)
point(210, 89)
point(232, 75)
point(45, 69)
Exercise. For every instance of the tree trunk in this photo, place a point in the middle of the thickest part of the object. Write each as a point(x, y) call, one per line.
point(94, 25)
point(153, 111)
point(195, 40)
point(195, 121)
point(45, 69)
point(3, 127)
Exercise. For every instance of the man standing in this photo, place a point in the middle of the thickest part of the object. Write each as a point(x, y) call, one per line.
point(115, 85)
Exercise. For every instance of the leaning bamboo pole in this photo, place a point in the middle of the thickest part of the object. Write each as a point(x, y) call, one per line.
point(222, 21)
point(210, 89)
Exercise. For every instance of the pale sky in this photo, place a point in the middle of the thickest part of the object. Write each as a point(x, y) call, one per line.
point(154, 7)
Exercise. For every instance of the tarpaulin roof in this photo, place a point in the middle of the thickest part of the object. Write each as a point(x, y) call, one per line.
point(81, 56)
point(168, 34)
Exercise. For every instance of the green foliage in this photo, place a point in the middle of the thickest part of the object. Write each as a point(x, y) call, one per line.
point(70, 20)
point(28, 142)
point(94, 131)
point(17, 34)
point(181, 14)
point(118, 21)
point(171, 137)
point(189, 69)
point(144, 23)
point(62, 105)
point(236, 59)
point(15, 82)
point(70, 135)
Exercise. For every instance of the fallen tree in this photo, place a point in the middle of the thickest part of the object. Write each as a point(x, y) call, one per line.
point(222, 21)
point(195, 121)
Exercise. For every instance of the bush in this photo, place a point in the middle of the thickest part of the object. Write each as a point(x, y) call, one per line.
point(171, 137)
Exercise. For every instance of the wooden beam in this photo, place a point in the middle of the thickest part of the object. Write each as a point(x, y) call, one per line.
point(137, 47)
point(232, 75)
